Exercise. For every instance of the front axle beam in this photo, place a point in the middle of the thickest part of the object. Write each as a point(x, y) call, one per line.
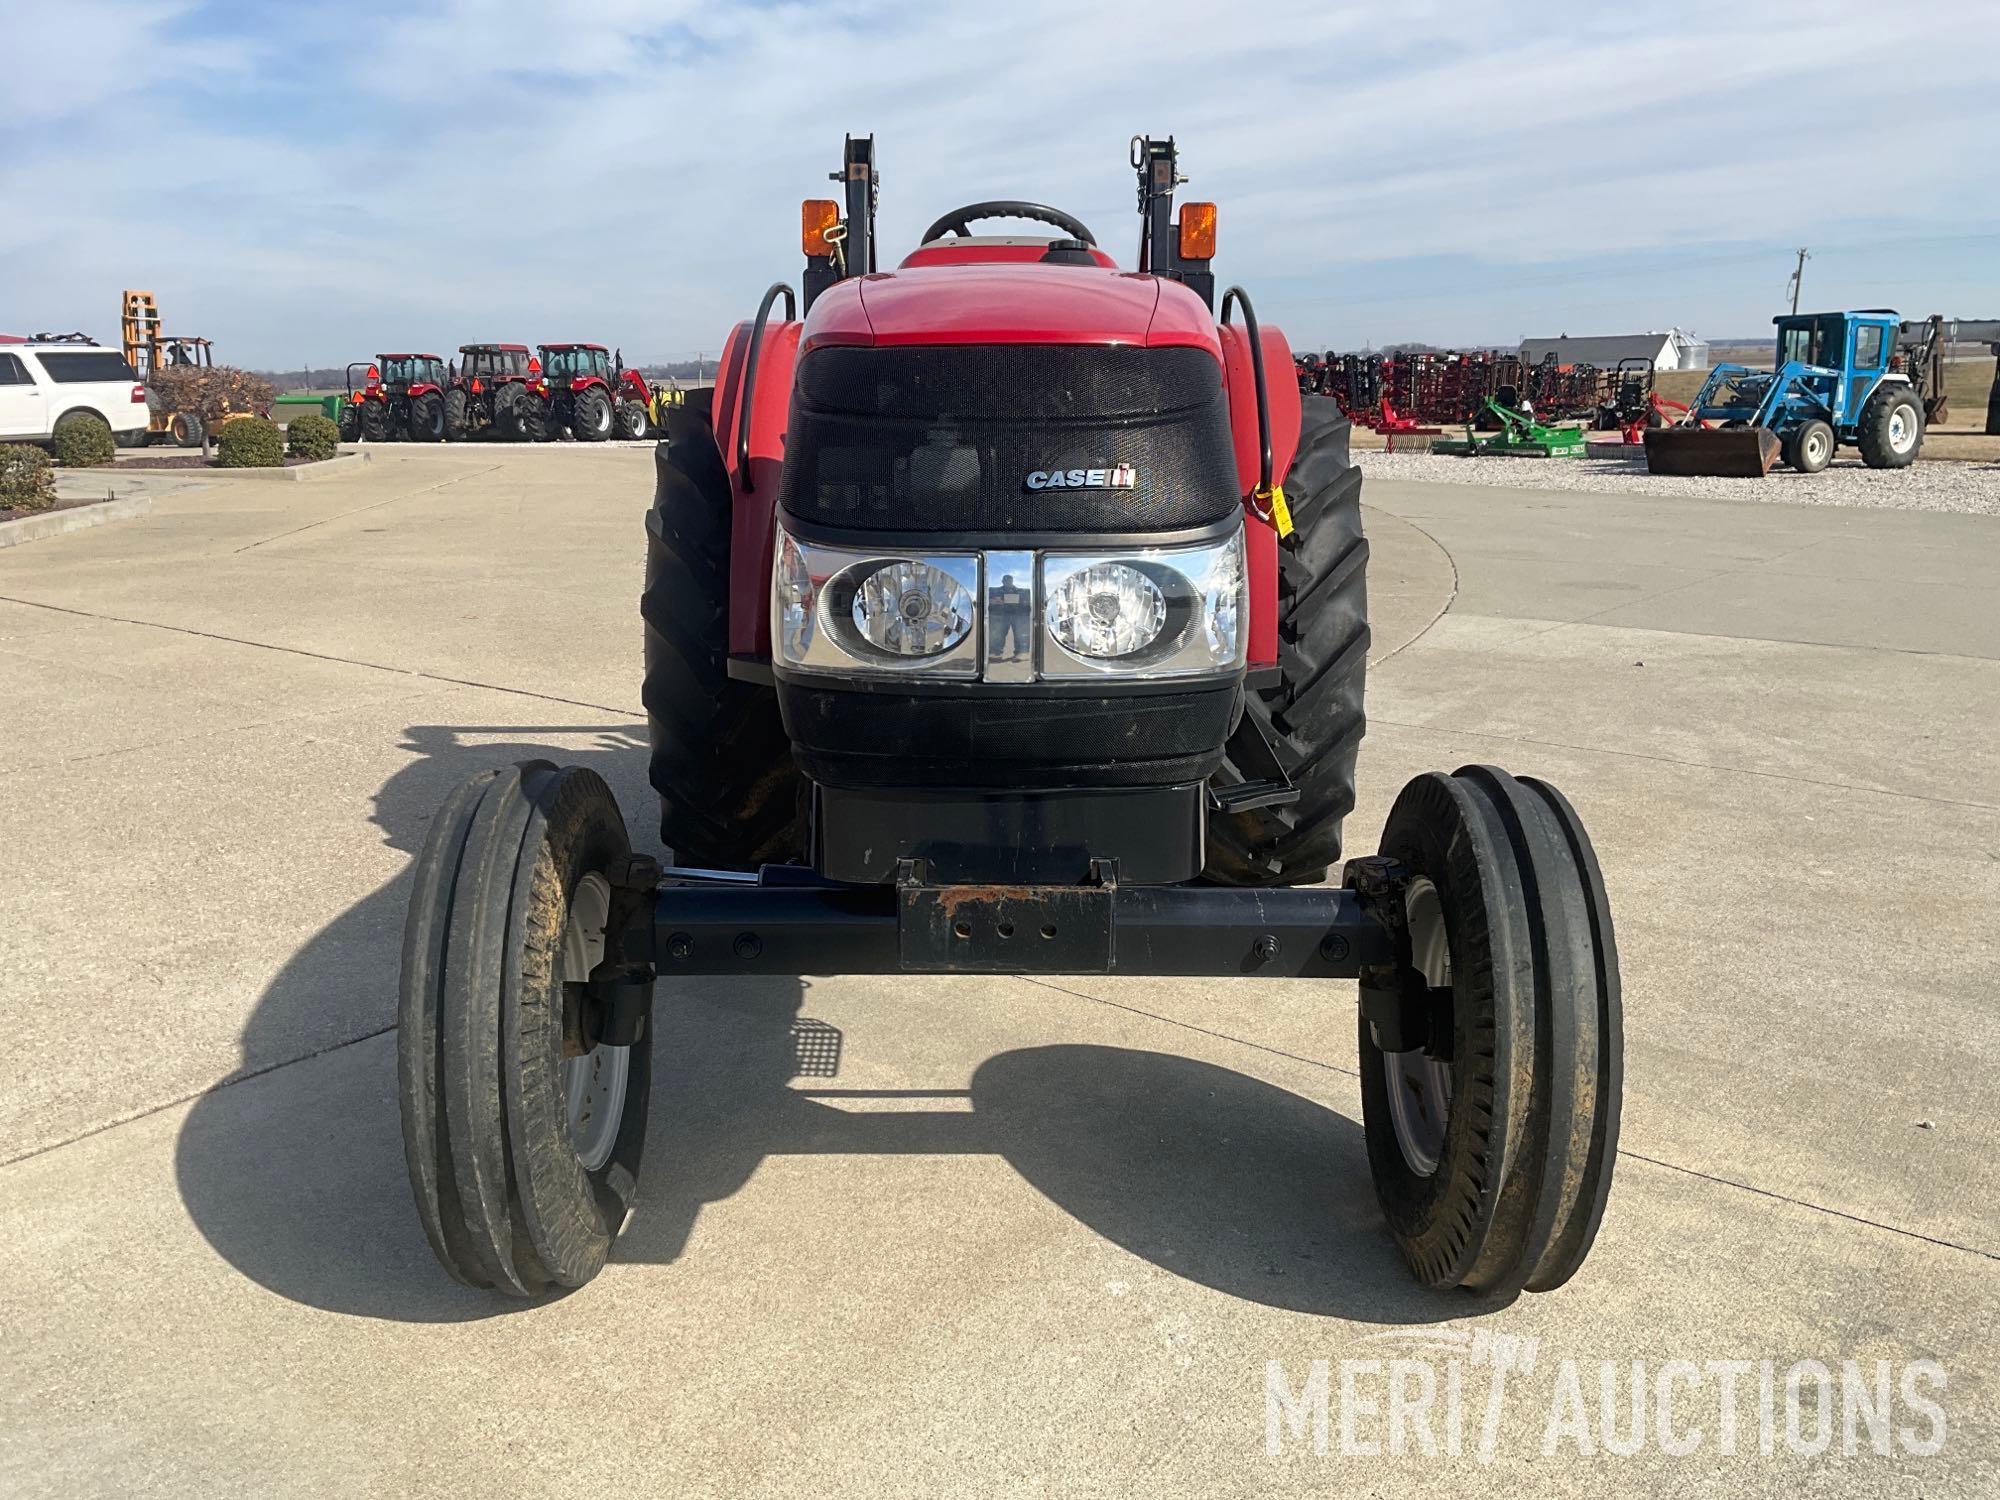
point(781, 925)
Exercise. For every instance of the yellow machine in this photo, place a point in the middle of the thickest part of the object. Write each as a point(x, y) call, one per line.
point(157, 357)
point(662, 398)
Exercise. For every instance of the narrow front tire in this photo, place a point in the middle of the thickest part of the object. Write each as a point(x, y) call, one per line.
point(521, 1134)
point(1492, 1132)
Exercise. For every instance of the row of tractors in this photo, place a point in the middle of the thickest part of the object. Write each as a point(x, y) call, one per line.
point(509, 392)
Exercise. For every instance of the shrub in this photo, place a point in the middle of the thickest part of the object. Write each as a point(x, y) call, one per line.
point(83, 439)
point(311, 437)
point(250, 443)
point(26, 482)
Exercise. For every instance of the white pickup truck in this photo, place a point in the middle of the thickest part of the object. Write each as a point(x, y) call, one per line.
point(41, 382)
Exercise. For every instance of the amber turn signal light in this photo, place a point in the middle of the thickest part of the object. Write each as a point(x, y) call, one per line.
point(816, 217)
point(1197, 231)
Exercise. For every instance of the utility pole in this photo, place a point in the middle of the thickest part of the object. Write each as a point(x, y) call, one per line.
point(1799, 275)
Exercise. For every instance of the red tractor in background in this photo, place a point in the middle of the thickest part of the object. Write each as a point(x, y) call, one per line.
point(1007, 614)
point(398, 396)
point(587, 389)
point(489, 383)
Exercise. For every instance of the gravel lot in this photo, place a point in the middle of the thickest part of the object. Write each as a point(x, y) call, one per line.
point(1968, 488)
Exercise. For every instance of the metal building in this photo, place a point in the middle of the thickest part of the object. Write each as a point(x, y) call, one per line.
point(1672, 350)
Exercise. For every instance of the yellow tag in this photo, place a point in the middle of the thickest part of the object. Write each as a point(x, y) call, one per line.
point(1281, 513)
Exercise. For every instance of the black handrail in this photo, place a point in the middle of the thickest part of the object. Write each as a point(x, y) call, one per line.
point(1230, 298)
point(746, 400)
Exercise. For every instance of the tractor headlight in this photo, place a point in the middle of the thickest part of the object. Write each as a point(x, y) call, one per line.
point(1138, 612)
point(835, 609)
point(1161, 612)
point(1106, 610)
point(911, 608)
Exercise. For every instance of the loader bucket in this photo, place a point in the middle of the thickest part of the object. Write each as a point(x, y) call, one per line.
point(1720, 452)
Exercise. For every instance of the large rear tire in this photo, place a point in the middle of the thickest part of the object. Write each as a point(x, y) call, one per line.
point(510, 424)
point(522, 1135)
point(455, 404)
point(1492, 1138)
point(427, 422)
point(590, 416)
point(730, 795)
point(375, 424)
point(1891, 429)
point(1308, 725)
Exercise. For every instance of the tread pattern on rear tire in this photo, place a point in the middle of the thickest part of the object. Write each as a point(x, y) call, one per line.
point(590, 416)
point(427, 418)
point(1312, 719)
point(510, 411)
point(731, 796)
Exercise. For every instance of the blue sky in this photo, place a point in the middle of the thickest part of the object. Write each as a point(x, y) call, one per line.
point(322, 182)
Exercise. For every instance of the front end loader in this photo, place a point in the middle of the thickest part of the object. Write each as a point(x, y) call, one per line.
point(1836, 382)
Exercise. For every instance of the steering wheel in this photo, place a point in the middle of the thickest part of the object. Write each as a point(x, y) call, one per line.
point(959, 220)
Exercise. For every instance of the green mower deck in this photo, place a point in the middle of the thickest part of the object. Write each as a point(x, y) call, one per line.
point(1519, 436)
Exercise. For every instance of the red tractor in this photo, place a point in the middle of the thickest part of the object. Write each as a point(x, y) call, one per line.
point(1007, 614)
point(587, 389)
point(399, 395)
point(489, 384)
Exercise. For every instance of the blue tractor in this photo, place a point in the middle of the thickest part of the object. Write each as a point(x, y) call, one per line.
point(1840, 379)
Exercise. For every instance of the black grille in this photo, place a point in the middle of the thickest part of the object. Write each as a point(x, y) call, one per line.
point(994, 738)
point(942, 438)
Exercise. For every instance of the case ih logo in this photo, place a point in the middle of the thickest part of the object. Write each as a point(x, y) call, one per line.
point(1117, 477)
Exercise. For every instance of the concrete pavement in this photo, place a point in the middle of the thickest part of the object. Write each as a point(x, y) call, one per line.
point(919, 1237)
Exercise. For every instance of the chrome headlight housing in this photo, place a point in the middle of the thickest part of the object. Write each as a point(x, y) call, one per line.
point(1155, 612)
point(838, 609)
point(1054, 615)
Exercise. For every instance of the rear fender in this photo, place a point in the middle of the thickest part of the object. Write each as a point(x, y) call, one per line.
point(1260, 537)
point(754, 495)
point(422, 388)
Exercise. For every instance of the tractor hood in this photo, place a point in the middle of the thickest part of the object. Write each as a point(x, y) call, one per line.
point(1010, 302)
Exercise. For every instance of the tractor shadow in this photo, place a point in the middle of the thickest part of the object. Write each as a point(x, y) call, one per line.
point(297, 1177)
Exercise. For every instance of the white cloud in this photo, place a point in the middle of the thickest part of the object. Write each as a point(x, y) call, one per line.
point(319, 184)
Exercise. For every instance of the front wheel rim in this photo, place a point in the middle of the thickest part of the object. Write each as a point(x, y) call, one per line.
point(1419, 1085)
point(595, 1083)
